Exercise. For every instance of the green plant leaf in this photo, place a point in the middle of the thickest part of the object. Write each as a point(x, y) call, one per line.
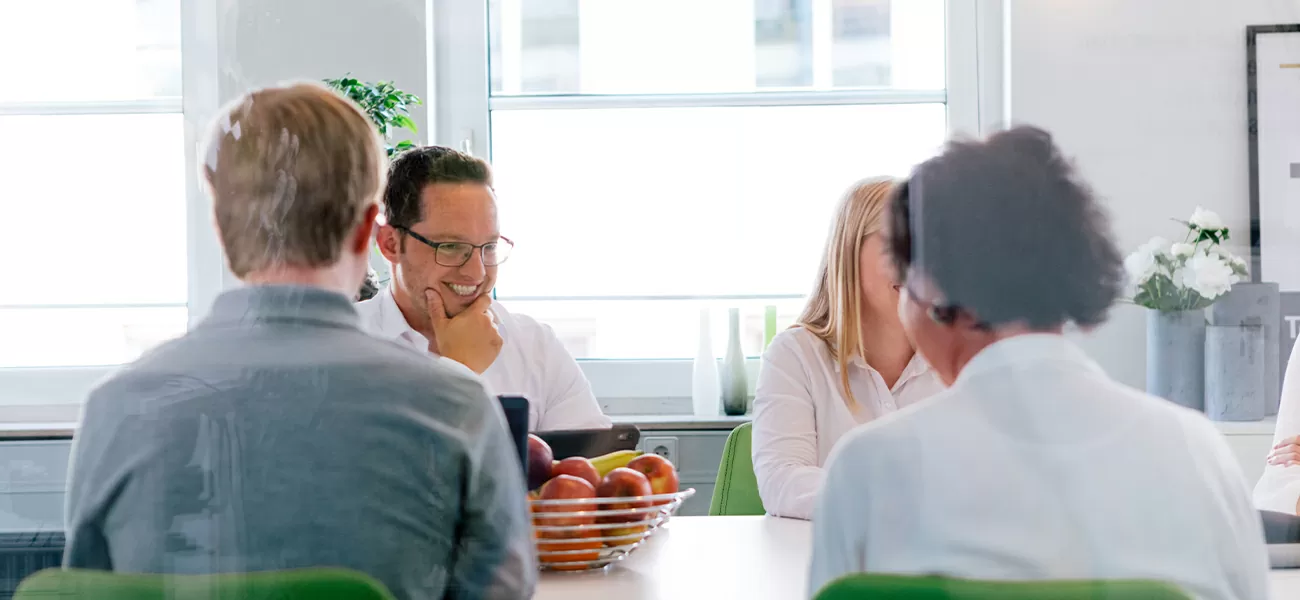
point(1143, 298)
point(404, 122)
point(384, 104)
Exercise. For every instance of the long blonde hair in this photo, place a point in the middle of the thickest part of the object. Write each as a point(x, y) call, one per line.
point(834, 311)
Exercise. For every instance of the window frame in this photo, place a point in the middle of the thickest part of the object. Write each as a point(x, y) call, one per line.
point(463, 104)
point(36, 395)
point(42, 394)
point(459, 108)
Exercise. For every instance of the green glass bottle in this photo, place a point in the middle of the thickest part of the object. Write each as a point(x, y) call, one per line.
point(735, 380)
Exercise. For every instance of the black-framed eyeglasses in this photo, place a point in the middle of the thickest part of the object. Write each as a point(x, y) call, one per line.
point(456, 254)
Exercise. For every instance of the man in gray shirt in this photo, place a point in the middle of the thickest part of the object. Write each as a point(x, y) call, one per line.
point(277, 434)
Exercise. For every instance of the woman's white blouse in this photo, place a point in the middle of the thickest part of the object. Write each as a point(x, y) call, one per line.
point(800, 412)
point(1279, 488)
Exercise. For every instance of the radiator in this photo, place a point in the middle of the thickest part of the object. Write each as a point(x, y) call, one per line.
point(22, 554)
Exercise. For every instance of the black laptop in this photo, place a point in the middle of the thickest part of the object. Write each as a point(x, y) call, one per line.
point(591, 442)
point(577, 442)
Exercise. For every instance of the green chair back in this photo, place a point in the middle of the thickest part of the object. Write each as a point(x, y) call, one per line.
point(300, 584)
point(864, 586)
point(736, 490)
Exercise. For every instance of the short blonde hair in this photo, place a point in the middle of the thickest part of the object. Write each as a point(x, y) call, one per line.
point(834, 311)
point(291, 170)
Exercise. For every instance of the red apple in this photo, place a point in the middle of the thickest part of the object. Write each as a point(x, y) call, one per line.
point(624, 483)
point(577, 466)
point(540, 459)
point(660, 472)
point(566, 487)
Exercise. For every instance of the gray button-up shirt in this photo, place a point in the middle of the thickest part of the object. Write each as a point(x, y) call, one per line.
point(277, 435)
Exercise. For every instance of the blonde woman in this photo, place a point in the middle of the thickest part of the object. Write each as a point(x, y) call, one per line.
point(846, 360)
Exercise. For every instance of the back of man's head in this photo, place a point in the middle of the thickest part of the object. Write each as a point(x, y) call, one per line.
point(292, 171)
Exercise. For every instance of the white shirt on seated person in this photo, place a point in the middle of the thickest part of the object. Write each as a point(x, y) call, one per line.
point(1036, 465)
point(801, 412)
point(1279, 488)
point(533, 363)
point(442, 240)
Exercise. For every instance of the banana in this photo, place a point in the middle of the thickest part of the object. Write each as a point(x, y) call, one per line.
point(608, 462)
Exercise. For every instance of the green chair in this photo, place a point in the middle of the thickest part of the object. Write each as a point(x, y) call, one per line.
point(735, 492)
point(864, 586)
point(299, 584)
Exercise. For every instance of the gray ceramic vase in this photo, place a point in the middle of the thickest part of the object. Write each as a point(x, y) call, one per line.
point(1176, 356)
point(1257, 309)
point(1235, 373)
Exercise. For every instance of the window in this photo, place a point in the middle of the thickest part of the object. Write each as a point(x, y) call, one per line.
point(653, 158)
point(92, 160)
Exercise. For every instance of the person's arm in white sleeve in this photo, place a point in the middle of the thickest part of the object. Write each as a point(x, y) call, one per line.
point(1278, 489)
point(570, 403)
point(785, 434)
point(838, 538)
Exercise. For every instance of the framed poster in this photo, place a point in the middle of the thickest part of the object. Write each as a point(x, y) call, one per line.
point(1273, 104)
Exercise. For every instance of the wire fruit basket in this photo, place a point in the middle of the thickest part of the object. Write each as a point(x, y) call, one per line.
point(579, 534)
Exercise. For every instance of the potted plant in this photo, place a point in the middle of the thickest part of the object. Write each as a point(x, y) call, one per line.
point(389, 108)
point(1177, 281)
point(386, 105)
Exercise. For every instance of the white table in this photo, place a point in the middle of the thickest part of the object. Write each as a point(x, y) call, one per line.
point(756, 558)
point(700, 557)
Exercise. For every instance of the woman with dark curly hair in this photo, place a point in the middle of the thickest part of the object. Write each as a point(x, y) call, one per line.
point(1033, 464)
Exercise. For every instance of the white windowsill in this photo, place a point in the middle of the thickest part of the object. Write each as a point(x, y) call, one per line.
point(14, 431)
point(1264, 427)
point(633, 391)
point(34, 429)
point(65, 427)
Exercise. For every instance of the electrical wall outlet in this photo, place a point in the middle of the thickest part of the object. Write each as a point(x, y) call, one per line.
point(664, 446)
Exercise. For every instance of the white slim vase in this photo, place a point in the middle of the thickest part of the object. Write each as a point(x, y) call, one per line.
point(705, 390)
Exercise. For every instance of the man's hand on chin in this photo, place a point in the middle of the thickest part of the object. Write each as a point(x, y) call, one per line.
point(470, 338)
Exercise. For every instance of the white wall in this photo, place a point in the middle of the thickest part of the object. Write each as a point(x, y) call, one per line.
point(232, 46)
point(1150, 97)
point(266, 41)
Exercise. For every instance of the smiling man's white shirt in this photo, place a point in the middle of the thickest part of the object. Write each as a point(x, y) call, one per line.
point(533, 363)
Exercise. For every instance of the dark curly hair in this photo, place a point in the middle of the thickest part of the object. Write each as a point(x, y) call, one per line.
point(1007, 231)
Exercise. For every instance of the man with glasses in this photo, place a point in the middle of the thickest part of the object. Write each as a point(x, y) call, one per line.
point(443, 242)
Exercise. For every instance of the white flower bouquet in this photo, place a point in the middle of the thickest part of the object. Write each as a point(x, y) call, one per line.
point(1187, 275)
